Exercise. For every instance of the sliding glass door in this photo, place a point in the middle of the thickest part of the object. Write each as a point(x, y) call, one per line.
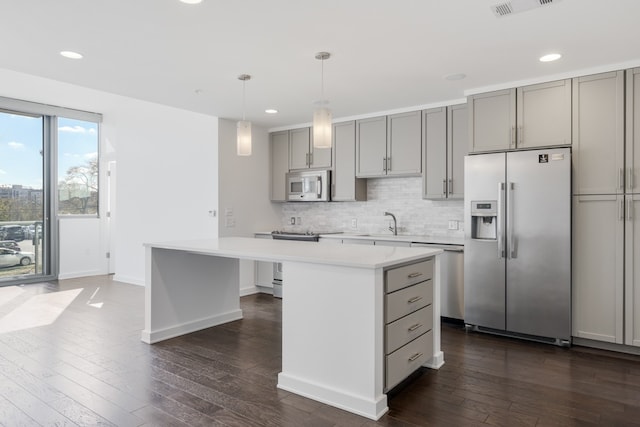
point(24, 202)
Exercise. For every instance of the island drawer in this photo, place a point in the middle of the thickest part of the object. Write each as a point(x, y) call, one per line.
point(408, 328)
point(407, 359)
point(408, 275)
point(408, 300)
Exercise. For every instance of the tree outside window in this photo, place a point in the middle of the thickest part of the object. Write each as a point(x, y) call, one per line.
point(77, 167)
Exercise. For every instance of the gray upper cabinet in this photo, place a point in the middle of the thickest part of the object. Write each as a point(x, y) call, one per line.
point(445, 139)
point(344, 184)
point(457, 148)
point(531, 116)
point(435, 153)
point(371, 147)
point(279, 165)
point(598, 134)
point(492, 120)
point(544, 114)
point(389, 145)
point(302, 154)
point(404, 148)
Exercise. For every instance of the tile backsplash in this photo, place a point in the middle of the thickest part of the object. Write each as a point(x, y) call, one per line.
point(400, 196)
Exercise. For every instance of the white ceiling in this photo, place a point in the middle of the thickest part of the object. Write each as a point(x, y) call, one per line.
point(386, 55)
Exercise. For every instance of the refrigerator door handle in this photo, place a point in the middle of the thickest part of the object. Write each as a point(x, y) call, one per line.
point(511, 250)
point(499, 219)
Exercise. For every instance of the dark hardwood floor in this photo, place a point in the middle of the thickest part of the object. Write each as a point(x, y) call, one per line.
point(70, 354)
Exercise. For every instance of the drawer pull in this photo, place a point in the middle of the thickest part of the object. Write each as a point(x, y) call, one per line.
point(415, 356)
point(414, 299)
point(414, 275)
point(414, 327)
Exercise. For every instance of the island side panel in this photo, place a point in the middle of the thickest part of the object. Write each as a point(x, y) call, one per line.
point(187, 292)
point(333, 336)
point(437, 360)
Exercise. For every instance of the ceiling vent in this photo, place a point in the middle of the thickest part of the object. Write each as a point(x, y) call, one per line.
point(516, 6)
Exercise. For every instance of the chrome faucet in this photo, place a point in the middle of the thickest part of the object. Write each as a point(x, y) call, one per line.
point(395, 223)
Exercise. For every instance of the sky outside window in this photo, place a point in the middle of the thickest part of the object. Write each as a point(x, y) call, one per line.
point(20, 150)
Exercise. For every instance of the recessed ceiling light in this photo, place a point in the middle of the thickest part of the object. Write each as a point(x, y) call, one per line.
point(458, 76)
point(271, 111)
point(191, 1)
point(550, 57)
point(71, 55)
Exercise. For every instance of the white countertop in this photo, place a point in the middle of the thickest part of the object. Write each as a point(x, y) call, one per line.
point(411, 238)
point(286, 250)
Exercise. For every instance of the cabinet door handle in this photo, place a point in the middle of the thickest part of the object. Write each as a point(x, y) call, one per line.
point(621, 210)
point(444, 187)
point(415, 357)
point(631, 178)
point(310, 159)
point(414, 299)
point(450, 189)
point(384, 164)
point(388, 164)
point(520, 136)
point(414, 275)
point(621, 179)
point(630, 212)
point(414, 327)
point(512, 138)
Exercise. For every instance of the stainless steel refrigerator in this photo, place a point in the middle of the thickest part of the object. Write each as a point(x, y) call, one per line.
point(517, 260)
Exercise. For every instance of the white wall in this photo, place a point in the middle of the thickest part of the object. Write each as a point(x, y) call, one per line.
point(244, 189)
point(167, 174)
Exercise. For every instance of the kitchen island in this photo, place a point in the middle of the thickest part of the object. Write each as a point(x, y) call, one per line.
point(333, 309)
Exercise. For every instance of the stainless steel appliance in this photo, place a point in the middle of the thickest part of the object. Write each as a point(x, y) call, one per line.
point(308, 186)
point(277, 266)
point(517, 262)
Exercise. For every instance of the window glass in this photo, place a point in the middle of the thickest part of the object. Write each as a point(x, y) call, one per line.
point(77, 167)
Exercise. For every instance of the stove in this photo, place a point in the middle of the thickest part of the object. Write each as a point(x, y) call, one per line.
point(304, 236)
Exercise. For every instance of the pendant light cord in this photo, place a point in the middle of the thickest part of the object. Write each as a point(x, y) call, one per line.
point(244, 83)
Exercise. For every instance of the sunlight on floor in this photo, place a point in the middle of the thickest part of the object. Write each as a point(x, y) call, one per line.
point(39, 310)
point(8, 293)
point(95, 304)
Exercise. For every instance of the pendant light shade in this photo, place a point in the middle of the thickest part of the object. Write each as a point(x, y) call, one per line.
point(322, 128)
point(244, 138)
point(244, 127)
point(322, 114)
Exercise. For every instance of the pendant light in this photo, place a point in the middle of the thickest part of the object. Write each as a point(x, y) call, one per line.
point(244, 126)
point(322, 114)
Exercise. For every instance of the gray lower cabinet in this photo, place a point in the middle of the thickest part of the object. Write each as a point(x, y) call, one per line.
point(408, 320)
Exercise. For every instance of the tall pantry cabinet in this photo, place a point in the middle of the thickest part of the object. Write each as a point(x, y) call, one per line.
point(632, 208)
point(606, 304)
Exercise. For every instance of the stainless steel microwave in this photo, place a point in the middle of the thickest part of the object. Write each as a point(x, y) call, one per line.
point(308, 186)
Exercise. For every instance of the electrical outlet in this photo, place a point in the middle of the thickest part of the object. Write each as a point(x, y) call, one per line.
point(453, 224)
point(292, 220)
point(298, 220)
point(354, 223)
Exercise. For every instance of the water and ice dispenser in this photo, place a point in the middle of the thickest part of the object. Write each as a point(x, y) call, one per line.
point(484, 220)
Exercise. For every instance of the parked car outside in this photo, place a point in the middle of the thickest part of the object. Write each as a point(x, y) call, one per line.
point(12, 232)
point(10, 244)
point(10, 257)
